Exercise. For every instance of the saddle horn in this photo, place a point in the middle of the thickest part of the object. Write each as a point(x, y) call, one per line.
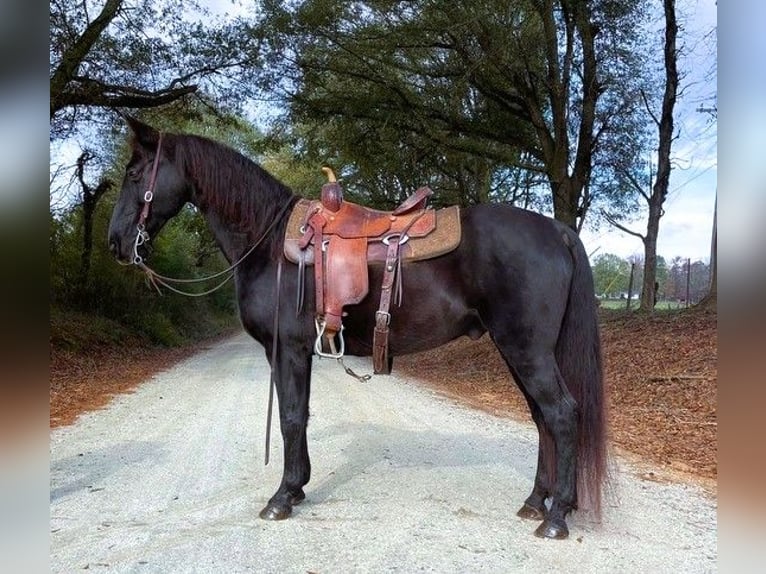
point(330, 174)
point(332, 194)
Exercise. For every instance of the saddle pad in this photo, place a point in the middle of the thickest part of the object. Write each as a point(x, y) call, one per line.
point(444, 238)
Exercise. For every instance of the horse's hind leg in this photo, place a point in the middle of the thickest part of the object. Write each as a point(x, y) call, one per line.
point(558, 411)
point(554, 409)
point(293, 390)
point(534, 505)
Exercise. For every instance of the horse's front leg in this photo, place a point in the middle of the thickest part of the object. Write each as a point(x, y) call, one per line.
point(293, 383)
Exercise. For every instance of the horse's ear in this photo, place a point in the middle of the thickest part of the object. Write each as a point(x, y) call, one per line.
point(145, 134)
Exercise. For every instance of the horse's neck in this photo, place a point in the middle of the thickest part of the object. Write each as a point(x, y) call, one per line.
point(235, 242)
point(243, 216)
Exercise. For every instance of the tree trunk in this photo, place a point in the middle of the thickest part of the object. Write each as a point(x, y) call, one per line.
point(710, 301)
point(567, 172)
point(665, 125)
point(90, 199)
point(565, 198)
point(714, 254)
point(650, 258)
point(630, 285)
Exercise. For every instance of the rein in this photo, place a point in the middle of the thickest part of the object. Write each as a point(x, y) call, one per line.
point(157, 279)
point(142, 237)
point(273, 378)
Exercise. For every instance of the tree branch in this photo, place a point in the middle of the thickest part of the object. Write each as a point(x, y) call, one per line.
point(90, 92)
point(613, 221)
point(73, 57)
point(655, 119)
point(90, 195)
point(636, 184)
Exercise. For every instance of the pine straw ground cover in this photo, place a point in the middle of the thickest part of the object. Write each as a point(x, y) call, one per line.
point(86, 370)
point(661, 376)
point(84, 383)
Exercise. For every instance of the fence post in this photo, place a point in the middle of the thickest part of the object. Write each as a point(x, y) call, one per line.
point(630, 285)
point(688, 278)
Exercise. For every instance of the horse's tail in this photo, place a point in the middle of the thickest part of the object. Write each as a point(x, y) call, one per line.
point(578, 354)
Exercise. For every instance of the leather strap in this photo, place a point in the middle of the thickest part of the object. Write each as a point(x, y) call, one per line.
point(149, 194)
point(272, 380)
point(416, 200)
point(392, 271)
point(380, 363)
point(317, 223)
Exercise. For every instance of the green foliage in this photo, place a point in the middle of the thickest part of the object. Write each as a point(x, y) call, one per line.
point(611, 275)
point(464, 96)
point(160, 329)
point(84, 332)
point(358, 124)
point(143, 54)
point(185, 248)
point(121, 294)
point(295, 168)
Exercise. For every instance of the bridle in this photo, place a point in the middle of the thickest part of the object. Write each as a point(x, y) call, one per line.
point(142, 237)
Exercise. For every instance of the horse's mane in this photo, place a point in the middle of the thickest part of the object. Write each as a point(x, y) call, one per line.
point(238, 189)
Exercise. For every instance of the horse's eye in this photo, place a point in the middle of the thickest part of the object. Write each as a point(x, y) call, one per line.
point(133, 172)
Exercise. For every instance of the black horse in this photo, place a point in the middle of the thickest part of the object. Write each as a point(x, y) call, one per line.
point(518, 275)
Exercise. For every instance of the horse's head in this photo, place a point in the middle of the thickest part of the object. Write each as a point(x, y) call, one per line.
point(153, 191)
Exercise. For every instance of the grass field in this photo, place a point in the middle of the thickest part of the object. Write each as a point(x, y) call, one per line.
point(635, 303)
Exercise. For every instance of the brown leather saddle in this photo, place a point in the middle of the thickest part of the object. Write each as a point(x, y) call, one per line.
point(340, 239)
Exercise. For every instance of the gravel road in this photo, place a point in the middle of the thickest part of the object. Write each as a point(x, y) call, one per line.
point(171, 479)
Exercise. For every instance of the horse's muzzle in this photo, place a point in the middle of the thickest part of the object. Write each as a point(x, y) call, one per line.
point(123, 250)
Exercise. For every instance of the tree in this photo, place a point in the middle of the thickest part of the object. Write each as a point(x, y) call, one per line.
point(666, 136)
point(90, 198)
point(661, 278)
point(512, 85)
point(140, 54)
point(610, 275)
point(664, 124)
point(711, 299)
point(687, 278)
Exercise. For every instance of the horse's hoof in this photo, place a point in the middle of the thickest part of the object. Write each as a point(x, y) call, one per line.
point(271, 512)
point(553, 529)
point(529, 512)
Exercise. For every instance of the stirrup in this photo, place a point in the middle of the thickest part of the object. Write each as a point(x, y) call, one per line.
point(334, 352)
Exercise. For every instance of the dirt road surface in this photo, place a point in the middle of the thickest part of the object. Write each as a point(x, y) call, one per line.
point(171, 479)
